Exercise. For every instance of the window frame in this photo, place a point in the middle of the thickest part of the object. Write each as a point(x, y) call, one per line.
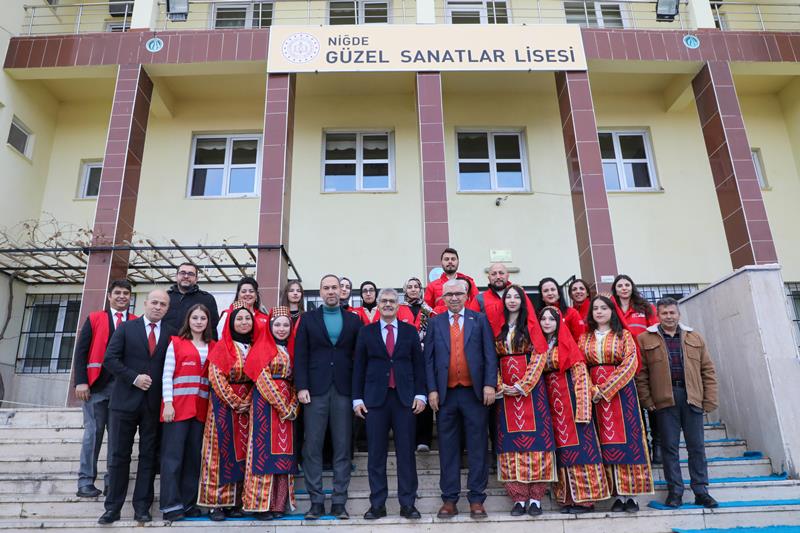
point(360, 12)
point(229, 139)
point(86, 167)
point(27, 151)
point(758, 162)
point(58, 334)
point(479, 6)
point(359, 160)
point(523, 154)
point(598, 14)
point(655, 185)
point(249, 16)
point(123, 26)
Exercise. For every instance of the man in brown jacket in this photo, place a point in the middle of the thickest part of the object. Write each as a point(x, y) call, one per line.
point(679, 383)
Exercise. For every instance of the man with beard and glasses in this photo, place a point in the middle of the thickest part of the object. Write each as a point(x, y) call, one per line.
point(433, 292)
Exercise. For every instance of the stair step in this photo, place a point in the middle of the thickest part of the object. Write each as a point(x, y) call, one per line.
point(740, 529)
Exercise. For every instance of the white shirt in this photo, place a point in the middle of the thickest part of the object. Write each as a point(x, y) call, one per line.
point(169, 369)
point(460, 318)
point(123, 318)
point(157, 329)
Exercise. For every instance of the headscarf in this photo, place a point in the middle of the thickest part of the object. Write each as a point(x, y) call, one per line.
point(223, 355)
point(364, 304)
point(277, 312)
point(568, 352)
point(244, 338)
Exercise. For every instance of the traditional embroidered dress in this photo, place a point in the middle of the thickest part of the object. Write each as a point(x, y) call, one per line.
point(612, 363)
point(525, 443)
point(271, 457)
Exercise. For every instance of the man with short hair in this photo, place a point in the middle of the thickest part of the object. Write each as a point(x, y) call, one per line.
point(461, 365)
point(490, 301)
point(93, 383)
point(678, 383)
point(323, 357)
point(433, 292)
point(136, 356)
point(184, 294)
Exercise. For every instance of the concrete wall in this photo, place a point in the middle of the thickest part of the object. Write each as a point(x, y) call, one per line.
point(12, 305)
point(746, 323)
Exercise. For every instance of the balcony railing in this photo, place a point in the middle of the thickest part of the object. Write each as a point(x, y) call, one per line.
point(45, 19)
point(748, 16)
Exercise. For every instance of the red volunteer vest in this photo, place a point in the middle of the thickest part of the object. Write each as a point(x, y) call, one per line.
point(189, 382)
point(101, 334)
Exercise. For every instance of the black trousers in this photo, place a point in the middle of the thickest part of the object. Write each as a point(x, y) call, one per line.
point(181, 448)
point(123, 426)
point(425, 427)
point(672, 420)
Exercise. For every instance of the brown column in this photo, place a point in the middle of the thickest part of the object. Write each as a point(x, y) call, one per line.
point(738, 192)
point(276, 180)
point(430, 113)
point(119, 187)
point(585, 167)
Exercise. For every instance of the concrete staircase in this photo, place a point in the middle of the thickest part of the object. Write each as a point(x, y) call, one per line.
point(38, 473)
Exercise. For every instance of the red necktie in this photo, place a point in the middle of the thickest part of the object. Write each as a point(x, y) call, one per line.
point(119, 320)
point(151, 339)
point(390, 349)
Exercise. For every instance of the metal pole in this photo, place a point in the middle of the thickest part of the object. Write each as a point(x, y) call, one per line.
point(30, 22)
point(539, 10)
point(78, 19)
point(760, 18)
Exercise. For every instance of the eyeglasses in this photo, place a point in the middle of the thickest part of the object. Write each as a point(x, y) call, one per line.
point(384, 301)
point(186, 274)
point(454, 294)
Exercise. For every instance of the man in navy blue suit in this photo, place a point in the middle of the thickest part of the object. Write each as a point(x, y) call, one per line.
point(388, 390)
point(461, 365)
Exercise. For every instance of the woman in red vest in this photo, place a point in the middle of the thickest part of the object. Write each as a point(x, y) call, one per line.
point(550, 294)
point(246, 296)
point(292, 297)
point(580, 295)
point(636, 313)
point(183, 411)
point(271, 454)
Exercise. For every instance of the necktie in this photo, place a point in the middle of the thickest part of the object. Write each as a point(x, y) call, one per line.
point(390, 349)
point(151, 339)
point(455, 325)
point(119, 320)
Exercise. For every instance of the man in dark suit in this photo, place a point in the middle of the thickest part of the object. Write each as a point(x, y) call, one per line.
point(323, 359)
point(461, 365)
point(388, 390)
point(135, 356)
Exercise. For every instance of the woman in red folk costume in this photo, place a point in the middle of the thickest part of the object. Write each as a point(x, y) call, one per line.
point(581, 296)
point(225, 439)
point(271, 458)
point(183, 412)
point(611, 356)
point(246, 296)
point(582, 478)
point(526, 459)
point(550, 294)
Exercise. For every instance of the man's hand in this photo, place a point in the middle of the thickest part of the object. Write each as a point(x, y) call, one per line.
point(169, 412)
point(82, 392)
point(418, 406)
point(433, 401)
point(360, 410)
point(143, 381)
point(303, 396)
point(488, 396)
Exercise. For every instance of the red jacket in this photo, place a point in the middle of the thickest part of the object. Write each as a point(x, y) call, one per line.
point(636, 321)
point(362, 314)
point(574, 323)
point(433, 292)
point(189, 381)
point(101, 333)
point(583, 312)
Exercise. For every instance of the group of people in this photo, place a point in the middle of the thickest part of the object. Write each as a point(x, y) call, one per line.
point(226, 404)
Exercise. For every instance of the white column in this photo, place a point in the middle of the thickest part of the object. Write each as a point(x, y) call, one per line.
point(426, 11)
point(700, 14)
point(145, 14)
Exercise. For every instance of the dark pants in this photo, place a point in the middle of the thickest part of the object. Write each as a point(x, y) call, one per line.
point(651, 419)
point(181, 448)
point(95, 422)
point(690, 419)
point(424, 422)
point(462, 408)
point(400, 419)
point(122, 430)
point(334, 410)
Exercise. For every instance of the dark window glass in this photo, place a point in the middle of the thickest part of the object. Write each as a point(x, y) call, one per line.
point(473, 146)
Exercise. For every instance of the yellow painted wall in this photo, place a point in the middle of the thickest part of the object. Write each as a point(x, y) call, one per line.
point(767, 130)
point(674, 236)
point(373, 236)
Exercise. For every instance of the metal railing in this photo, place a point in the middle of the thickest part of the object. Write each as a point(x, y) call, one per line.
point(46, 19)
point(750, 16)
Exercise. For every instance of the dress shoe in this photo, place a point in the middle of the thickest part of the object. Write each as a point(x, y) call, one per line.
point(534, 509)
point(315, 512)
point(88, 491)
point(374, 513)
point(216, 515)
point(518, 509)
point(656, 460)
point(174, 516)
point(581, 509)
point(706, 501)
point(109, 517)
point(618, 507)
point(338, 511)
point(673, 500)
point(142, 517)
point(410, 512)
point(567, 509)
point(631, 506)
point(476, 511)
point(447, 510)
point(193, 512)
point(266, 515)
point(234, 512)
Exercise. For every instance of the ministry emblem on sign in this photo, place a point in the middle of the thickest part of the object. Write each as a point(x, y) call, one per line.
point(300, 48)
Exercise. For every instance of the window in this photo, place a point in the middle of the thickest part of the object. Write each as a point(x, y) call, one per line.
point(48, 333)
point(482, 12)
point(90, 179)
point(594, 14)
point(358, 12)
point(225, 165)
point(793, 297)
point(757, 162)
point(245, 15)
point(653, 293)
point(355, 162)
point(118, 27)
point(491, 161)
point(627, 162)
point(20, 138)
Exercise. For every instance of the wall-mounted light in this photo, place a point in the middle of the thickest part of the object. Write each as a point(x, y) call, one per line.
point(177, 10)
point(499, 200)
point(667, 10)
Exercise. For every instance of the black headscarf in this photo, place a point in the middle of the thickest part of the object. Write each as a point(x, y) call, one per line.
point(244, 338)
point(364, 304)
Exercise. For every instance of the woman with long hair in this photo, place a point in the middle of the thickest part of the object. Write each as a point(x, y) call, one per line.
point(580, 295)
point(526, 460)
point(636, 313)
point(582, 477)
point(271, 455)
point(550, 294)
point(184, 385)
point(611, 356)
point(292, 299)
point(246, 296)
